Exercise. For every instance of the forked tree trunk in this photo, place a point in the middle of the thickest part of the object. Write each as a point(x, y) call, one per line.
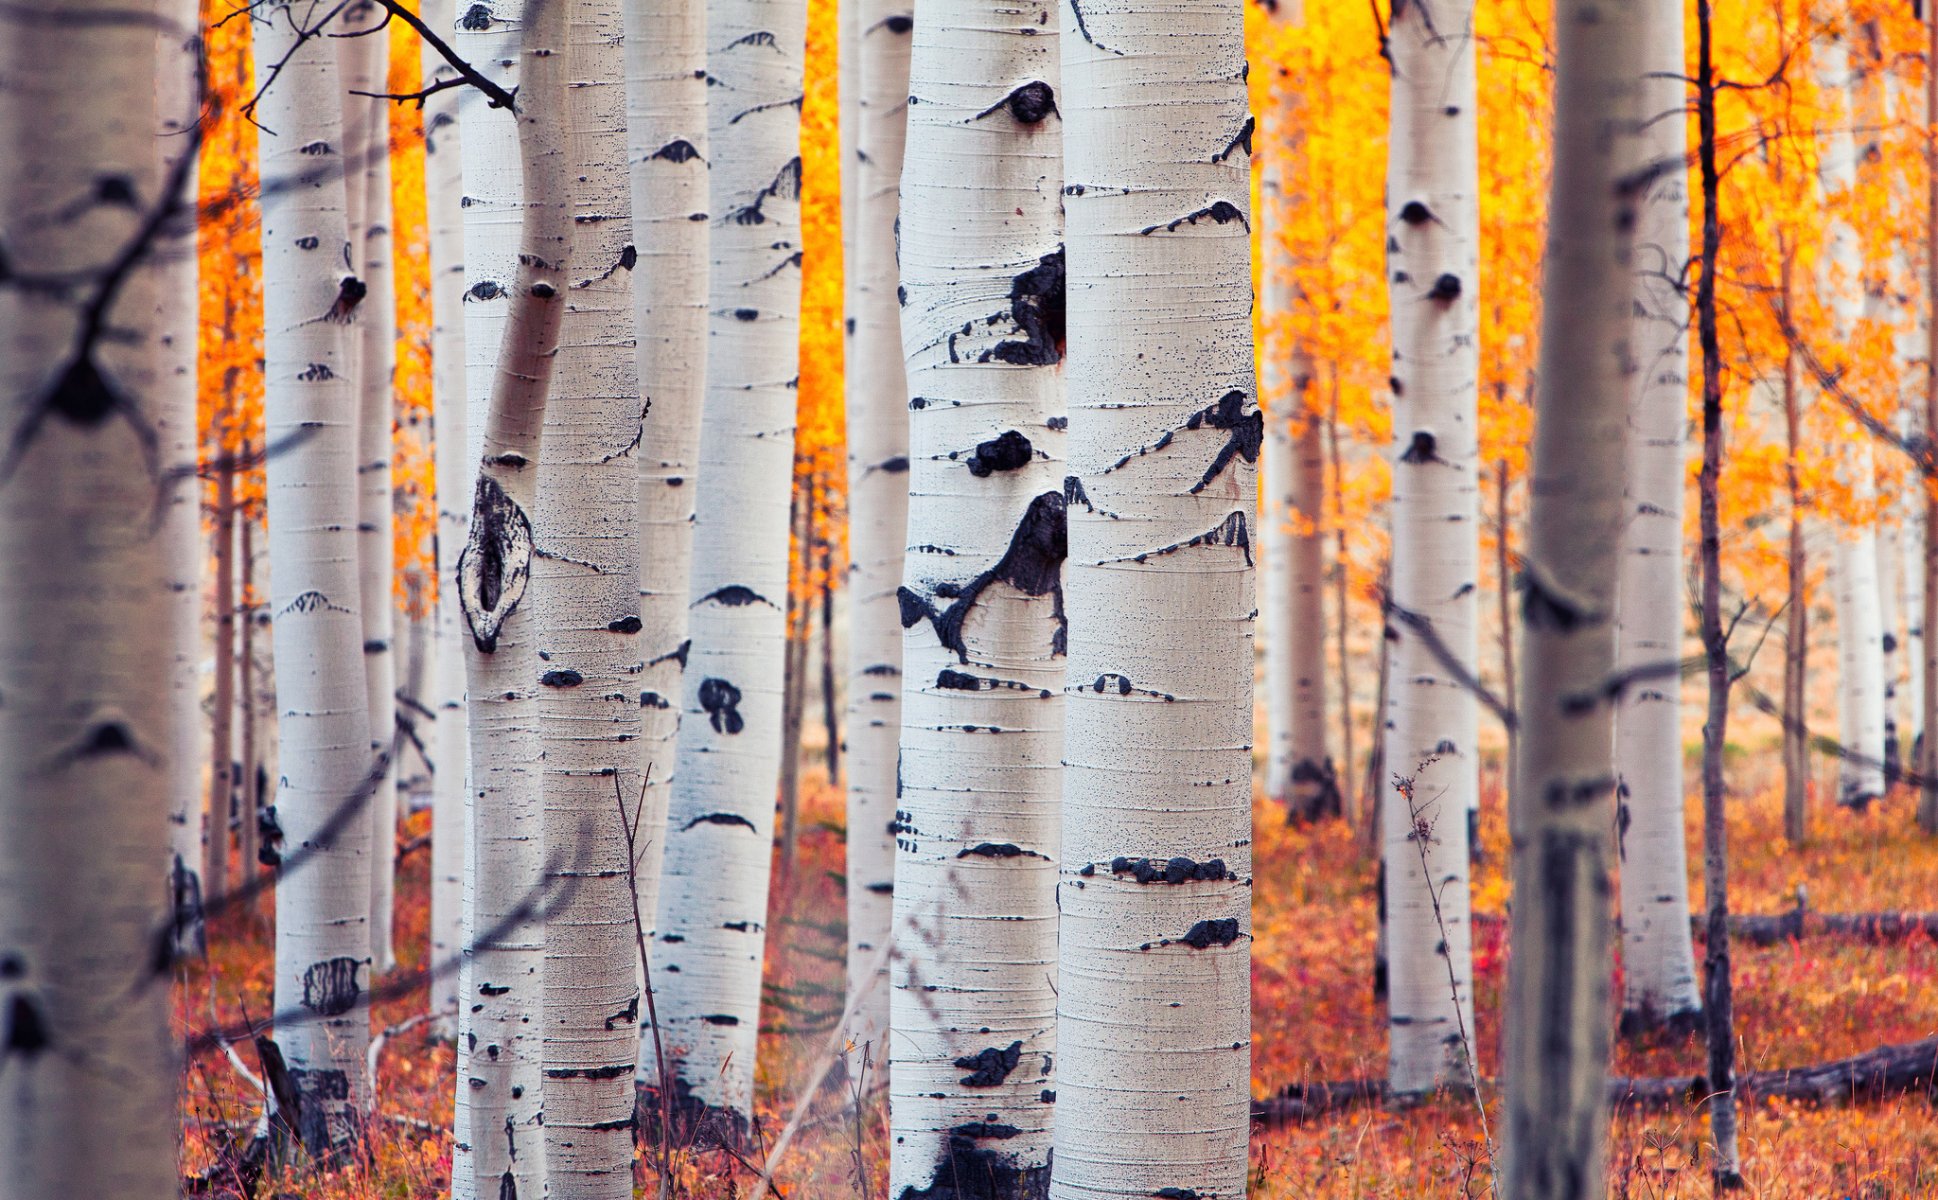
point(878, 501)
point(514, 261)
point(666, 129)
point(1658, 959)
point(720, 831)
point(973, 1007)
point(1557, 1026)
point(86, 1093)
point(586, 581)
point(452, 464)
point(309, 322)
point(1165, 431)
point(1432, 720)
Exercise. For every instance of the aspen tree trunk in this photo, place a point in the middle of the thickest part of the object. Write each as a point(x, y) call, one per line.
point(794, 665)
point(1354, 801)
point(515, 230)
point(1504, 577)
point(1911, 581)
point(1928, 761)
point(452, 464)
point(1658, 959)
point(586, 579)
point(1860, 650)
point(222, 780)
point(86, 1092)
point(1164, 438)
point(1796, 629)
point(720, 831)
point(309, 322)
point(366, 135)
point(1432, 720)
point(1557, 1028)
point(973, 1001)
point(248, 683)
point(1890, 552)
point(878, 500)
point(666, 119)
point(178, 105)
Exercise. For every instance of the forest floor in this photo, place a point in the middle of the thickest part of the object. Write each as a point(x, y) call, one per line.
point(1314, 1020)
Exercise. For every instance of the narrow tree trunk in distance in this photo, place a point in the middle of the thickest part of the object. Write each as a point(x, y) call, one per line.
point(1717, 1001)
point(800, 629)
point(222, 781)
point(1658, 959)
point(310, 301)
point(86, 1091)
point(1796, 629)
point(1557, 1024)
point(1355, 797)
point(980, 663)
point(1504, 577)
point(1928, 762)
point(830, 713)
point(514, 259)
point(249, 822)
point(720, 828)
point(1159, 589)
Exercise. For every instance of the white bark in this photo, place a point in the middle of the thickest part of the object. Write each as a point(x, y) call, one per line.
point(1911, 577)
point(1556, 1032)
point(719, 834)
point(178, 104)
point(974, 978)
point(496, 1141)
point(86, 738)
point(1860, 634)
point(1164, 437)
point(586, 581)
point(666, 130)
point(452, 466)
point(1658, 956)
point(310, 301)
point(878, 482)
point(1432, 719)
point(366, 136)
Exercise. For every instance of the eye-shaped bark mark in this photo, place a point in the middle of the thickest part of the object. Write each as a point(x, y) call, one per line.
point(961, 681)
point(26, 1032)
point(484, 289)
point(679, 150)
point(1029, 104)
point(476, 19)
point(991, 1065)
point(1176, 1193)
point(1415, 213)
point(899, 23)
point(349, 293)
point(795, 104)
point(1445, 290)
point(786, 185)
point(883, 669)
point(726, 1019)
point(495, 563)
point(330, 987)
point(717, 818)
point(720, 699)
point(1548, 610)
point(677, 655)
point(1008, 451)
point(1241, 140)
point(314, 149)
point(760, 37)
point(561, 679)
point(308, 243)
point(1222, 212)
point(792, 260)
point(655, 701)
point(999, 850)
point(1033, 565)
point(309, 602)
point(1232, 531)
point(1181, 869)
point(1246, 432)
point(1036, 305)
point(734, 595)
point(1423, 448)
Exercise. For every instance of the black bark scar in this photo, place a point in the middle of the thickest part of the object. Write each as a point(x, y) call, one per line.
point(1033, 565)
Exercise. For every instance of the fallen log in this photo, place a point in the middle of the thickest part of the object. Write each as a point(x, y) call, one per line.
point(1760, 929)
point(1874, 1075)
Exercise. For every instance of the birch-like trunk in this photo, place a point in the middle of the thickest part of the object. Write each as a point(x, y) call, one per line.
point(1165, 432)
point(1557, 1031)
point(1432, 718)
point(452, 466)
point(720, 827)
point(1860, 634)
point(366, 136)
point(586, 580)
point(310, 305)
point(514, 269)
point(87, 640)
point(1911, 579)
point(666, 131)
point(974, 977)
point(1658, 957)
point(878, 500)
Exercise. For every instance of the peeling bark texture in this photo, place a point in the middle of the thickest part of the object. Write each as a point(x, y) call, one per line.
point(978, 786)
point(878, 501)
point(87, 1064)
point(1658, 960)
point(1164, 440)
point(514, 253)
point(1432, 719)
point(586, 583)
point(366, 134)
point(1557, 1029)
point(666, 103)
point(1860, 633)
point(720, 831)
point(323, 910)
point(178, 104)
point(452, 464)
